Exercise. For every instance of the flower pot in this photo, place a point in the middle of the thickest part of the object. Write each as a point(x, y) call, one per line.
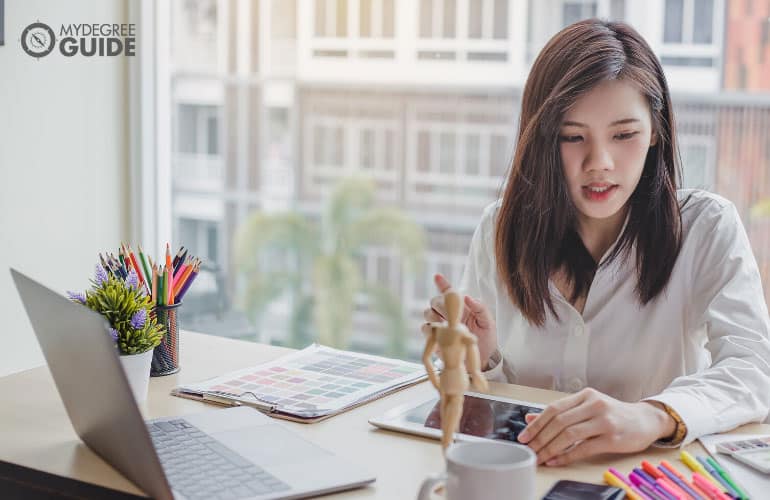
point(137, 369)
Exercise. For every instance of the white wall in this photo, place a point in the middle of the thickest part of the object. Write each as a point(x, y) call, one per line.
point(63, 163)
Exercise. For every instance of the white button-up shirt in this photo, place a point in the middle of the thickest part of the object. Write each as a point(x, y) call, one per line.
point(702, 346)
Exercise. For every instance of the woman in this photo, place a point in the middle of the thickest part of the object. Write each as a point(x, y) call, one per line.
point(594, 275)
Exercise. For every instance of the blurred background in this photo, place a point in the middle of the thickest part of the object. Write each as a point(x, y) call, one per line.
point(326, 157)
point(296, 124)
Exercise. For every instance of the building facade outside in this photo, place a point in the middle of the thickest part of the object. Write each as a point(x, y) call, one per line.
point(275, 102)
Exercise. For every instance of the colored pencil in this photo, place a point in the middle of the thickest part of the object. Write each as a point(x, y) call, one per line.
point(169, 289)
point(137, 269)
point(161, 287)
point(165, 284)
point(177, 257)
point(183, 258)
point(168, 258)
point(145, 267)
point(154, 285)
point(179, 270)
point(188, 282)
point(104, 263)
point(182, 281)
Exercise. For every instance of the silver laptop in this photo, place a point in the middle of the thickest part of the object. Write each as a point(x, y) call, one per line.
point(229, 453)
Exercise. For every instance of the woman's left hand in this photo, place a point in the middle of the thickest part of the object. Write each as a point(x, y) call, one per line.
point(589, 423)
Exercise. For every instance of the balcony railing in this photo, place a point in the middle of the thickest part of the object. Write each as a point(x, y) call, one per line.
point(198, 172)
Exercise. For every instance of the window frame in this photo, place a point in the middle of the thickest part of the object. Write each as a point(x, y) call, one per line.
point(687, 48)
point(150, 128)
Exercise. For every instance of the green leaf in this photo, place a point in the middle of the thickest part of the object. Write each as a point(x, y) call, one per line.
point(316, 265)
point(352, 197)
point(118, 303)
point(388, 227)
point(335, 281)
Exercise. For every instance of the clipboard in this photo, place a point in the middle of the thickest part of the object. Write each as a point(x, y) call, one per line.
point(309, 385)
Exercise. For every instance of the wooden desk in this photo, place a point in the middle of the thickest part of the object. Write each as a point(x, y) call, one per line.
point(35, 430)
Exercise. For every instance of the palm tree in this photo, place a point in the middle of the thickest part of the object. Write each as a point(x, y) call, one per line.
point(315, 263)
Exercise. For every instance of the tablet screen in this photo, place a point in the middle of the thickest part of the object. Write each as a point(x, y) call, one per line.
point(481, 417)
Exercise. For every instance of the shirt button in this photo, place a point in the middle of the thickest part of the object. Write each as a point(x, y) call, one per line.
point(575, 384)
point(578, 330)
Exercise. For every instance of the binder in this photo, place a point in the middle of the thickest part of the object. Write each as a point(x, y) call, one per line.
point(309, 385)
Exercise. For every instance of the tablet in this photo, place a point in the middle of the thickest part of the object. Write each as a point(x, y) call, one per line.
point(484, 417)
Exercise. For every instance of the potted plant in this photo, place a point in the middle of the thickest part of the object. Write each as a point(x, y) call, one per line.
point(133, 327)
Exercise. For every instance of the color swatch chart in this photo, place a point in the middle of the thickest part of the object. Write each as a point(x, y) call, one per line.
point(315, 381)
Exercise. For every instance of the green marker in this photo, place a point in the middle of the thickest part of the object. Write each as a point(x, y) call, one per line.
point(726, 477)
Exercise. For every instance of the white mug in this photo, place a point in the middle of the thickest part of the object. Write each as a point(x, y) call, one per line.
point(491, 470)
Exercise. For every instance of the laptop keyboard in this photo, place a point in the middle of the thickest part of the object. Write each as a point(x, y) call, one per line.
point(201, 467)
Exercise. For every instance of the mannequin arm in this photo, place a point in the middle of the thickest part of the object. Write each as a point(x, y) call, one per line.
point(430, 345)
point(473, 363)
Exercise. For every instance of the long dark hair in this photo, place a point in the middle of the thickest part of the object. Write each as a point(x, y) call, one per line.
point(536, 226)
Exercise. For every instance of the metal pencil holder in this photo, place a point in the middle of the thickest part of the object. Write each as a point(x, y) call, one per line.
point(165, 357)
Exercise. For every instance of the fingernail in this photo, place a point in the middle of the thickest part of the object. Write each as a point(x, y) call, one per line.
point(523, 437)
point(552, 462)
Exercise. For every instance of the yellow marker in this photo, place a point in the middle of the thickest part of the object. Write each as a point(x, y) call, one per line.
point(695, 466)
point(613, 480)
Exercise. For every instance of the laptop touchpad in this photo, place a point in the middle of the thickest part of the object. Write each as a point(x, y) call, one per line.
point(271, 445)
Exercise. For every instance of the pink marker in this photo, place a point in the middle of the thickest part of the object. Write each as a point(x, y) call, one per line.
point(669, 487)
point(704, 484)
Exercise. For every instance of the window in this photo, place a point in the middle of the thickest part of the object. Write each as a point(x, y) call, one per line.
point(353, 29)
point(691, 36)
point(198, 129)
point(697, 163)
point(331, 18)
point(438, 18)
point(574, 11)
point(201, 238)
point(464, 30)
point(488, 20)
point(268, 111)
point(672, 32)
point(689, 21)
point(376, 18)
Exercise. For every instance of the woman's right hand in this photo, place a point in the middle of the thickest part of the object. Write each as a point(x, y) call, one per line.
point(476, 317)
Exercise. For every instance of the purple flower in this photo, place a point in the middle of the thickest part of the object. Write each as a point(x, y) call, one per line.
point(133, 279)
point(138, 319)
point(114, 334)
point(101, 275)
point(77, 296)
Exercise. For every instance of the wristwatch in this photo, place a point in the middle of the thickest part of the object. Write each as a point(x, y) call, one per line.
point(679, 432)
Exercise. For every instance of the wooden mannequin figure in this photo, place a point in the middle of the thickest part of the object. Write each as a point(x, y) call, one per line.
point(457, 346)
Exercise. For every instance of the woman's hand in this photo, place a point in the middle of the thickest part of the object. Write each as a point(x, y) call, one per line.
point(475, 316)
point(589, 423)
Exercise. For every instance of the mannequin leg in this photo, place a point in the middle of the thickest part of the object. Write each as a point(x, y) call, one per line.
point(446, 433)
point(450, 419)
